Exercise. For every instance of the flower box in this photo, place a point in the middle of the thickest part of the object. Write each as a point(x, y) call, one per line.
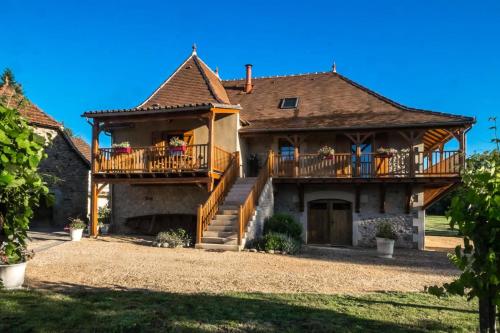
point(123, 150)
point(177, 150)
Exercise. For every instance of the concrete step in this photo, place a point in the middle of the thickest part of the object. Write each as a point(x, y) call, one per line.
point(228, 211)
point(224, 217)
point(220, 234)
point(222, 223)
point(221, 247)
point(219, 240)
point(221, 228)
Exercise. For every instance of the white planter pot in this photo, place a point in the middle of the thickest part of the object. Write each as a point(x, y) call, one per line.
point(104, 229)
point(385, 247)
point(76, 234)
point(12, 276)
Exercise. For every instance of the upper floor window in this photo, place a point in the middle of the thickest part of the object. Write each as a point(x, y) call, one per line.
point(286, 149)
point(289, 103)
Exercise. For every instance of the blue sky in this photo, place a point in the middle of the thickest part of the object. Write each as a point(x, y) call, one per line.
point(73, 56)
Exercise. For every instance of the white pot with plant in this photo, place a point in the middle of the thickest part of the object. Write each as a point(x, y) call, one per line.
point(76, 228)
point(386, 237)
point(12, 270)
point(103, 216)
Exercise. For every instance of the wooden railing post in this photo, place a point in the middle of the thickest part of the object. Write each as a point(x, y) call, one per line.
point(210, 142)
point(412, 162)
point(199, 224)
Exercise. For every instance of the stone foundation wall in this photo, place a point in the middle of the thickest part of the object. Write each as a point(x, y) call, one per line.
point(403, 225)
point(71, 174)
point(133, 200)
point(264, 210)
point(408, 226)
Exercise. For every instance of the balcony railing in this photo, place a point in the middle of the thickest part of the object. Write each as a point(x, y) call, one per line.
point(369, 165)
point(153, 159)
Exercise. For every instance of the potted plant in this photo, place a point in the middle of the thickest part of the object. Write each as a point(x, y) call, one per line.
point(326, 153)
point(76, 228)
point(103, 216)
point(386, 152)
point(177, 146)
point(386, 236)
point(21, 189)
point(122, 148)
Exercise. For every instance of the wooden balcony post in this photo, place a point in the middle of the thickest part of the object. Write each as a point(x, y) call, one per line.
point(240, 224)
point(270, 162)
point(358, 159)
point(93, 208)
point(296, 161)
point(95, 146)
point(210, 152)
point(462, 142)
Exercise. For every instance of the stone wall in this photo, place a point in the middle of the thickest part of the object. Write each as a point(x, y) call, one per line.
point(264, 210)
point(408, 226)
point(71, 179)
point(139, 200)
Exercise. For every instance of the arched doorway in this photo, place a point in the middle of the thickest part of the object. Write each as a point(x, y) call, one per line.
point(329, 221)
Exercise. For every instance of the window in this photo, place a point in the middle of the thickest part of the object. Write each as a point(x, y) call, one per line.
point(286, 149)
point(289, 103)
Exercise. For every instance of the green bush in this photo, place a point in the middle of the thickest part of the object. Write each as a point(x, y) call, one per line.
point(283, 224)
point(173, 238)
point(274, 241)
point(386, 230)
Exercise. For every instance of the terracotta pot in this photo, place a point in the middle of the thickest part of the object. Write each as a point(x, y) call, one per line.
point(75, 234)
point(385, 247)
point(12, 276)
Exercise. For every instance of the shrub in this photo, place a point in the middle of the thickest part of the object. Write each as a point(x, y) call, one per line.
point(386, 230)
point(21, 186)
point(172, 238)
point(76, 223)
point(281, 242)
point(283, 224)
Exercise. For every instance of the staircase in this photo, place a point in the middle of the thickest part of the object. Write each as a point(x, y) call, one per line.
point(222, 233)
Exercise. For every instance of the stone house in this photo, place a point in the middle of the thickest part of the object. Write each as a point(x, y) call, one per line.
point(336, 155)
point(66, 169)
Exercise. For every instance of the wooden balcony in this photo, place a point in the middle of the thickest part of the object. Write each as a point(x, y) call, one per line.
point(345, 167)
point(160, 162)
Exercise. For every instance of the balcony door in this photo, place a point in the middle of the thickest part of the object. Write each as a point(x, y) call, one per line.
point(329, 222)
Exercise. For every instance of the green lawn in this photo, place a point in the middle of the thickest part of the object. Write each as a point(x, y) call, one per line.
point(143, 311)
point(437, 225)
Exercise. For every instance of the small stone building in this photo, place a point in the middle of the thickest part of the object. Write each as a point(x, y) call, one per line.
point(66, 169)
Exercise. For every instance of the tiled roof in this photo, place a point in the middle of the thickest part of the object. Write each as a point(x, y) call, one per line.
point(192, 83)
point(82, 147)
point(36, 117)
point(28, 110)
point(326, 100)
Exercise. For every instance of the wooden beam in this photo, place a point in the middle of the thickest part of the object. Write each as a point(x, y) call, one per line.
point(93, 209)
point(224, 111)
point(100, 188)
point(95, 146)
point(210, 153)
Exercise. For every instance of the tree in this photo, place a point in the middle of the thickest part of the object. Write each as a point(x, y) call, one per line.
point(475, 211)
point(21, 187)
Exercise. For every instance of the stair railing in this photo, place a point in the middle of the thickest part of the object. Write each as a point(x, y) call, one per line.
point(208, 210)
point(247, 209)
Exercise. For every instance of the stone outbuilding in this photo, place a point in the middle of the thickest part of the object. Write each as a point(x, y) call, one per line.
point(67, 167)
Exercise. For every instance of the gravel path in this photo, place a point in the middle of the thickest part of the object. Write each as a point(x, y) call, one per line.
point(128, 263)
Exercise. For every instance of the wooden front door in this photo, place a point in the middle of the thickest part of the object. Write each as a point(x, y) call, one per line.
point(329, 222)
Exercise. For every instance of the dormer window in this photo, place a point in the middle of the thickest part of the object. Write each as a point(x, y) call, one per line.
point(289, 103)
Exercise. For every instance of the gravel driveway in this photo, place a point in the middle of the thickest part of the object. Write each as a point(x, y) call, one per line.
point(130, 263)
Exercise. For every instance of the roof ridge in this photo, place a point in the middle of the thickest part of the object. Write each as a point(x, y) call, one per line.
point(166, 81)
point(396, 104)
point(278, 76)
point(205, 78)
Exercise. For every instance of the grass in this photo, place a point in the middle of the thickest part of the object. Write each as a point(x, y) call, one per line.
point(142, 311)
point(437, 225)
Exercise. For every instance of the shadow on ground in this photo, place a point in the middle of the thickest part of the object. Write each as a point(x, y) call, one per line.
point(77, 308)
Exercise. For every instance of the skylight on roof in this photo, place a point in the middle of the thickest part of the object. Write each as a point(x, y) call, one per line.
point(289, 103)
